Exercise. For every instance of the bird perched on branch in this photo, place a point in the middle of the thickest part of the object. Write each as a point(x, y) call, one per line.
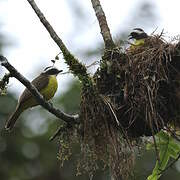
point(46, 84)
point(139, 36)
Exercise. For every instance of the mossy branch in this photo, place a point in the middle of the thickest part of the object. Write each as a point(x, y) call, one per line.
point(77, 68)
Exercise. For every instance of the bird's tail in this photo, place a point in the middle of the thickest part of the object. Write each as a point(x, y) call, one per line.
point(12, 119)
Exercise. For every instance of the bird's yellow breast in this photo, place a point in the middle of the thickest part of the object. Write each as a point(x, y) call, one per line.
point(49, 91)
point(137, 44)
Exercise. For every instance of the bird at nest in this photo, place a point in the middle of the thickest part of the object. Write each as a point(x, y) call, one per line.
point(139, 36)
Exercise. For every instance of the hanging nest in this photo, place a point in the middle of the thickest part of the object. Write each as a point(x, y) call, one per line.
point(143, 84)
point(135, 94)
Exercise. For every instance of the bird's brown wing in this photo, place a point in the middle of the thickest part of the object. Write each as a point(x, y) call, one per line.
point(40, 82)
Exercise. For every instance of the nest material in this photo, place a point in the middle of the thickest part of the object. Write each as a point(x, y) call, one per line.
point(135, 93)
point(143, 84)
point(139, 89)
point(102, 143)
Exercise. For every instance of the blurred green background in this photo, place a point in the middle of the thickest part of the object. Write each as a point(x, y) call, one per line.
point(27, 153)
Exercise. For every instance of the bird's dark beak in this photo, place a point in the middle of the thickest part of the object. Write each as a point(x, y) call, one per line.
point(59, 71)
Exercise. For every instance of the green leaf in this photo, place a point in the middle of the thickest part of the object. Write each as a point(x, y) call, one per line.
point(164, 158)
point(174, 145)
point(167, 147)
point(163, 136)
point(160, 166)
point(173, 154)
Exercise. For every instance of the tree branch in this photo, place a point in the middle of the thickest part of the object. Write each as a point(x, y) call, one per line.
point(70, 119)
point(105, 31)
point(77, 68)
point(49, 28)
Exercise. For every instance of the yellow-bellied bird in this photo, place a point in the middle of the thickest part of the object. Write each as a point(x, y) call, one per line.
point(46, 83)
point(139, 36)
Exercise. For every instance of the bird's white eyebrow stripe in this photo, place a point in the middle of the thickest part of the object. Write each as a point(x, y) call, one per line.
point(138, 31)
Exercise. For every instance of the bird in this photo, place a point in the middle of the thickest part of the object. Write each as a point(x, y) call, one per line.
point(46, 83)
point(139, 36)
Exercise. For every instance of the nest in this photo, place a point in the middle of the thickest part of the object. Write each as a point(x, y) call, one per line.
point(143, 84)
point(135, 93)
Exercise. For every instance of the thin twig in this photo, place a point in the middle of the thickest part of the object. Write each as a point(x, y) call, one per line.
point(105, 31)
point(60, 130)
point(110, 108)
point(92, 64)
point(153, 135)
point(70, 119)
point(108, 104)
point(173, 133)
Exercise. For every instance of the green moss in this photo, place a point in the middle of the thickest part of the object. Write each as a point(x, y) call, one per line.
point(78, 69)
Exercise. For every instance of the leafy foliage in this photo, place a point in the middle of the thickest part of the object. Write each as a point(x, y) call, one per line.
point(167, 148)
